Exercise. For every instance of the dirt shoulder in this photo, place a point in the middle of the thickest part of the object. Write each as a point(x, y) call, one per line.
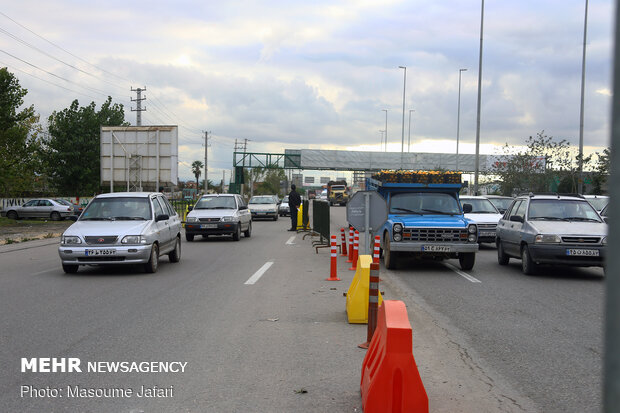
point(12, 231)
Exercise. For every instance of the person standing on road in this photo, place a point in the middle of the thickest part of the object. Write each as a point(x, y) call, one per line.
point(294, 201)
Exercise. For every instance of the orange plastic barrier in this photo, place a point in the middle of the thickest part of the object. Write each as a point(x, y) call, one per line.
point(390, 378)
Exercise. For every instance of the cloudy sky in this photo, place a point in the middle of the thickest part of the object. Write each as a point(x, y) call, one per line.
point(299, 74)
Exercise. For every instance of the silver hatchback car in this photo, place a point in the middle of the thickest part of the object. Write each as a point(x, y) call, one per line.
point(123, 228)
point(551, 229)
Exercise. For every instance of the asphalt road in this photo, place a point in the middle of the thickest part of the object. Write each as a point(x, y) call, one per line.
point(543, 333)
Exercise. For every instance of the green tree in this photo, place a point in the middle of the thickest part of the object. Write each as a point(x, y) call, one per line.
point(72, 150)
point(19, 139)
point(271, 181)
point(197, 171)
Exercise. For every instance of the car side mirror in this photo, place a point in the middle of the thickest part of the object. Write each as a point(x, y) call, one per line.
point(242, 207)
point(162, 217)
point(516, 218)
point(467, 208)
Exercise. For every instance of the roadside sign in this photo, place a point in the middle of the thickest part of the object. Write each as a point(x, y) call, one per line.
point(356, 210)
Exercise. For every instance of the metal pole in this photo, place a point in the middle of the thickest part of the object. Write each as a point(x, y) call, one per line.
point(583, 83)
point(477, 169)
point(611, 386)
point(386, 135)
point(409, 138)
point(458, 121)
point(367, 222)
point(402, 142)
point(206, 163)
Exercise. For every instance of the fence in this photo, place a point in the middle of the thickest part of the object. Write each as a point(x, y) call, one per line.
point(320, 223)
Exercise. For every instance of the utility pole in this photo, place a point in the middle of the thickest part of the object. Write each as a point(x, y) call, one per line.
point(223, 180)
point(206, 163)
point(138, 101)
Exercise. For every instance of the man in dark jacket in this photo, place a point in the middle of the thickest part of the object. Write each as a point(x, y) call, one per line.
point(294, 201)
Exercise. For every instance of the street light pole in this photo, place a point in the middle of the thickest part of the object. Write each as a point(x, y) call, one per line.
point(583, 82)
point(409, 138)
point(402, 142)
point(381, 131)
point(458, 121)
point(477, 168)
point(386, 135)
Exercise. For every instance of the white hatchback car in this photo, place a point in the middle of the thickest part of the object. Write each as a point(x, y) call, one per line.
point(484, 215)
point(122, 228)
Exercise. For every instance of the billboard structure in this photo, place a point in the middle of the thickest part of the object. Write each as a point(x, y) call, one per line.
point(139, 158)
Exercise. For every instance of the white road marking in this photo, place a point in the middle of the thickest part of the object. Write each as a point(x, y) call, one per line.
point(259, 273)
point(462, 274)
point(290, 240)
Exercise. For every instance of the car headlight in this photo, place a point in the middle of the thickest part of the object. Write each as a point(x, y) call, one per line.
point(471, 238)
point(70, 240)
point(548, 239)
point(133, 239)
point(472, 229)
point(398, 228)
point(604, 241)
point(192, 219)
point(398, 236)
point(230, 219)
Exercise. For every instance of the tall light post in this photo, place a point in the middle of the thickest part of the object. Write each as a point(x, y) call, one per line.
point(477, 168)
point(583, 82)
point(386, 135)
point(381, 131)
point(409, 137)
point(402, 143)
point(458, 120)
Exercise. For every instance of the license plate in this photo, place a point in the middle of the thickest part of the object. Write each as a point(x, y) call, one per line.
point(435, 248)
point(587, 253)
point(208, 226)
point(92, 253)
point(487, 233)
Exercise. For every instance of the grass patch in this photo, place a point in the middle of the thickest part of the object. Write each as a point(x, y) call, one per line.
point(10, 241)
point(49, 235)
point(6, 222)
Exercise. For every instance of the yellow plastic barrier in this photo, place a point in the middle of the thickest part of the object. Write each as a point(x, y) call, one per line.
point(357, 295)
point(300, 217)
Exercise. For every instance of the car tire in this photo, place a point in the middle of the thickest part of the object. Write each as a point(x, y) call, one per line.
point(189, 237)
point(467, 260)
point(275, 218)
point(248, 232)
point(175, 255)
point(70, 268)
point(55, 216)
point(528, 266)
point(502, 258)
point(389, 257)
point(151, 266)
point(12, 215)
point(237, 234)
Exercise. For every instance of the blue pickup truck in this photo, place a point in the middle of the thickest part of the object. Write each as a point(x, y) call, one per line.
point(425, 220)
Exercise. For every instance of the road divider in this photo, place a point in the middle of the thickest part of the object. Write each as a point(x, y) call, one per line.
point(356, 247)
point(343, 247)
point(333, 271)
point(351, 235)
point(373, 303)
point(358, 292)
point(377, 250)
point(390, 379)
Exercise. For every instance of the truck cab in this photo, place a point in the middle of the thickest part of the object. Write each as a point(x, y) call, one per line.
point(425, 220)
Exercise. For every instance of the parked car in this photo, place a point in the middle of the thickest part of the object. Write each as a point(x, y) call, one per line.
point(40, 208)
point(284, 209)
point(551, 229)
point(323, 195)
point(77, 209)
point(598, 201)
point(264, 206)
point(484, 215)
point(500, 202)
point(122, 228)
point(219, 214)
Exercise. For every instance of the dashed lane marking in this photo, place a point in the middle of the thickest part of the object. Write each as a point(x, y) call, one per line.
point(290, 240)
point(462, 274)
point(256, 276)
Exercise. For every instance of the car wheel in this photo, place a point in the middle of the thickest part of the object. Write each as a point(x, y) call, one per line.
point(55, 216)
point(12, 215)
point(527, 265)
point(237, 233)
point(275, 218)
point(189, 237)
point(248, 232)
point(389, 257)
point(70, 268)
point(467, 260)
point(175, 255)
point(502, 258)
point(151, 266)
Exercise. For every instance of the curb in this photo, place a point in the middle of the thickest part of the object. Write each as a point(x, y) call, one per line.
point(19, 246)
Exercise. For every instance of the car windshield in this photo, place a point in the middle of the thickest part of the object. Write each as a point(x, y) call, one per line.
point(480, 206)
point(285, 199)
point(262, 200)
point(501, 203)
point(117, 209)
point(216, 202)
point(598, 203)
point(562, 210)
point(424, 204)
